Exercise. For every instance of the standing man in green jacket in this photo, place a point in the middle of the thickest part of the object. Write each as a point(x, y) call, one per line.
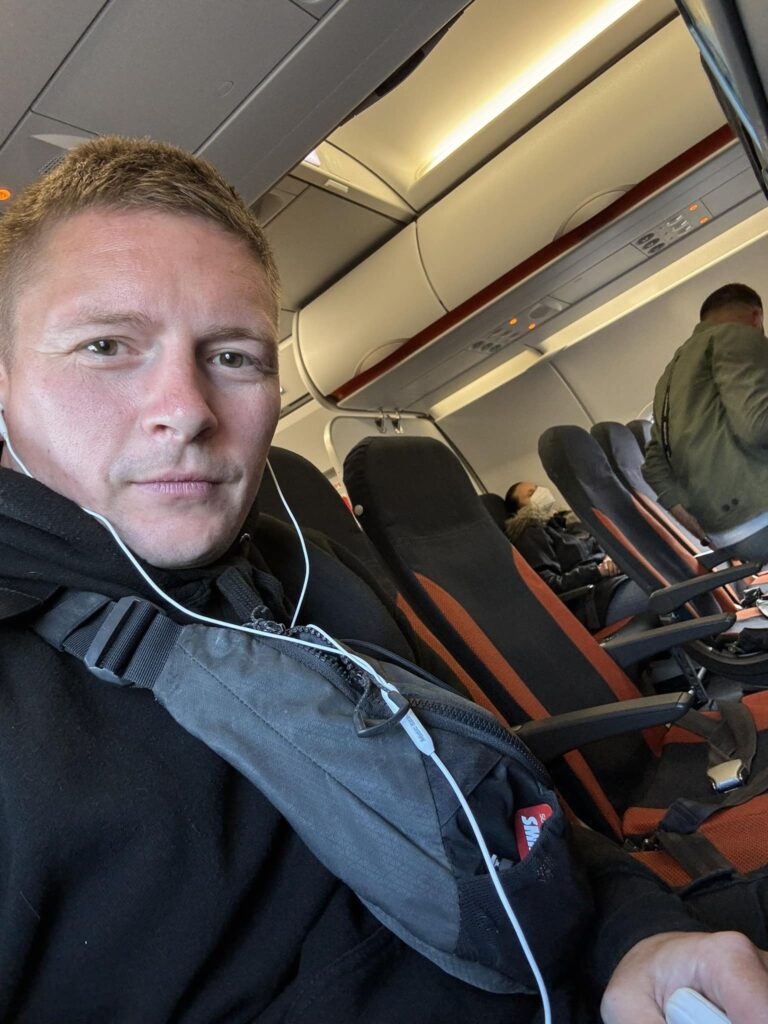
point(708, 455)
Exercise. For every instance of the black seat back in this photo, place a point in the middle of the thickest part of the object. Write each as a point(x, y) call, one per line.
point(578, 467)
point(317, 505)
point(495, 507)
point(499, 620)
point(641, 431)
point(626, 460)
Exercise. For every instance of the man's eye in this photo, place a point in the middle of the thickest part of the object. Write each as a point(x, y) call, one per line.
point(232, 360)
point(103, 347)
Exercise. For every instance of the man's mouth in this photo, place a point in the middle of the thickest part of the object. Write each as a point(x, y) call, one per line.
point(182, 485)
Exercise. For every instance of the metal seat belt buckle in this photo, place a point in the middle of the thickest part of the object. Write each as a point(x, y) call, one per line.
point(727, 776)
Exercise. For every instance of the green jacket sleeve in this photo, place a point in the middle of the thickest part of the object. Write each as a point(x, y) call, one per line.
point(656, 470)
point(740, 372)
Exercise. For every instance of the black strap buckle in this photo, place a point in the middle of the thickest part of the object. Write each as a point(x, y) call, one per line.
point(123, 628)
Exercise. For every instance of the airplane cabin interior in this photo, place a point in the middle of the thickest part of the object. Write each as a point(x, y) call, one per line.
point(495, 222)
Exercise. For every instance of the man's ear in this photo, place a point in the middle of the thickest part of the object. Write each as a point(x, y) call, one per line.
point(4, 382)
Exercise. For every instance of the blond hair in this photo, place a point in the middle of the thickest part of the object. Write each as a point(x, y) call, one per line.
point(115, 173)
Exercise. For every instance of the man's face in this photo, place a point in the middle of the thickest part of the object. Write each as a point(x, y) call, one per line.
point(143, 381)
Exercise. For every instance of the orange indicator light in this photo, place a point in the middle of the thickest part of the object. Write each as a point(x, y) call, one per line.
point(693, 206)
point(5, 193)
point(531, 326)
point(703, 220)
point(513, 321)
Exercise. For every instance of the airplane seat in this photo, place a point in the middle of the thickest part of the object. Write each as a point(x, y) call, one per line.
point(626, 459)
point(316, 504)
point(534, 659)
point(639, 544)
point(495, 507)
point(641, 431)
point(578, 467)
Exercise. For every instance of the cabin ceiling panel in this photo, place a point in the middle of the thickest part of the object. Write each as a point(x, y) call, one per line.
point(317, 8)
point(354, 48)
point(172, 70)
point(35, 36)
point(319, 237)
point(35, 142)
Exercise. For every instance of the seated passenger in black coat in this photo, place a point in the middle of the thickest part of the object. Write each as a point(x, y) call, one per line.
point(566, 556)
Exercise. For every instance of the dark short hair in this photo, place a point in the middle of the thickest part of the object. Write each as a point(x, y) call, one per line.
point(510, 499)
point(730, 295)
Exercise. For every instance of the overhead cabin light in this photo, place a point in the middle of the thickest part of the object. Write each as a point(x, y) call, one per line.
point(528, 80)
point(5, 193)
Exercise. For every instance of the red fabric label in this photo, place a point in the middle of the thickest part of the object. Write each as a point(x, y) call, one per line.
point(528, 822)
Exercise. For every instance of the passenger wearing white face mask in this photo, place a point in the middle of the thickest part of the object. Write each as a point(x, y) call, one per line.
point(568, 557)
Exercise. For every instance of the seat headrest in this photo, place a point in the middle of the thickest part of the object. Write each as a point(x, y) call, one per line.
point(313, 499)
point(433, 490)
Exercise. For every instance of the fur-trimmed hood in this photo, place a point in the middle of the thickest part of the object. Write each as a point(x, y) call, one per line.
point(529, 515)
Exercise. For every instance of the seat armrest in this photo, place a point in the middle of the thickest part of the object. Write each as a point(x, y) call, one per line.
point(635, 647)
point(550, 737)
point(675, 596)
point(718, 556)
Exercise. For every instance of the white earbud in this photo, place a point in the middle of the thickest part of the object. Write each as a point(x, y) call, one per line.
point(7, 440)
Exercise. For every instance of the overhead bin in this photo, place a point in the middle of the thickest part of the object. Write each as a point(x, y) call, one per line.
point(641, 113)
point(383, 301)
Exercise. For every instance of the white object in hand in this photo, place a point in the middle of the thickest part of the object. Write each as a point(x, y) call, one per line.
point(688, 1007)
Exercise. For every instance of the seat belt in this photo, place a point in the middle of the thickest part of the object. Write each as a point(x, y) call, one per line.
point(732, 748)
point(732, 743)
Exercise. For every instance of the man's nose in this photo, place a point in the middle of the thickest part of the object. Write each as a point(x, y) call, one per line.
point(176, 403)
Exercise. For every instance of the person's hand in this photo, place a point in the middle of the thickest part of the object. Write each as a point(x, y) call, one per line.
point(691, 523)
point(724, 967)
point(608, 567)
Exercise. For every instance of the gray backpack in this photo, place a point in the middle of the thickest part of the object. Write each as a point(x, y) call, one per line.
point(312, 732)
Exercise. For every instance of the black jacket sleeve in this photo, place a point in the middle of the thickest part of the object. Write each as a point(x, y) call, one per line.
point(631, 904)
point(536, 548)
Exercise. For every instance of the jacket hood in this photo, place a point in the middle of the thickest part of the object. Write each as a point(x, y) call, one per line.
point(529, 515)
point(47, 542)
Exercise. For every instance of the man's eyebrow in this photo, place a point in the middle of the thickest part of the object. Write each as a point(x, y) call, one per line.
point(107, 318)
point(261, 330)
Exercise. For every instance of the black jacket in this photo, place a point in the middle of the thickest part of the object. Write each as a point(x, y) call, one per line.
point(566, 556)
point(144, 880)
